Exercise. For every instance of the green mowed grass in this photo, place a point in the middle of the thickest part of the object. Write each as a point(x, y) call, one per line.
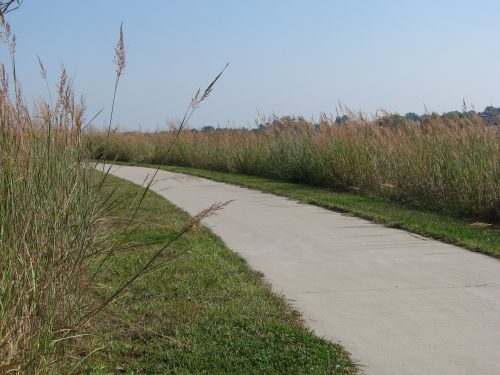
point(480, 237)
point(204, 311)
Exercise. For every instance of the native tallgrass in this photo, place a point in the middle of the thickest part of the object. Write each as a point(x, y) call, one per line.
point(48, 215)
point(55, 243)
point(446, 164)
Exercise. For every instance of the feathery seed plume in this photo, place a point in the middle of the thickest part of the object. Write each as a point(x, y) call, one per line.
point(119, 58)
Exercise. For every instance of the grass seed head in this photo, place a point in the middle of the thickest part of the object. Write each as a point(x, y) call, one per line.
point(119, 57)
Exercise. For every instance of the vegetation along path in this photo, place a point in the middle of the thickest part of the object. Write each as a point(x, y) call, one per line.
point(400, 303)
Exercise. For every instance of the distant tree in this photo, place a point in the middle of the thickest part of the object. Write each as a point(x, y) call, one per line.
point(208, 128)
point(491, 115)
point(412, 116)
point(397, 120)
point(454, 114)
point(489, 108)
point(341, 119)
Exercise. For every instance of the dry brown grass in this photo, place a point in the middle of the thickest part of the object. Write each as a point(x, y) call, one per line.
point(47, 230)
point(55, 238)
point(50, 225)
point(446, 164)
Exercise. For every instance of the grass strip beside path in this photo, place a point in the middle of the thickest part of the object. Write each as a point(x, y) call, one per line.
point(481, 237)
point(203, 312)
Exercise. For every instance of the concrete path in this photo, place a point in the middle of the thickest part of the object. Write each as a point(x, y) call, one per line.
point(400, 303)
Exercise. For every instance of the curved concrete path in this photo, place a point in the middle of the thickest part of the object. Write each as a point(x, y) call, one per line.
point(400, 303)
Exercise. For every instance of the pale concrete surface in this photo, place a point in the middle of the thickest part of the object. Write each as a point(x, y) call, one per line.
point(400, 303)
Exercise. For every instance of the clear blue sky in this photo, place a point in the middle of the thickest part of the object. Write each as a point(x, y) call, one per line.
point(286, 56)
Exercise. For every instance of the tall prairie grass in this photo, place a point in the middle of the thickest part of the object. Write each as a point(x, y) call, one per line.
point(48, 214)
point(446, 163)
point(57, 233)
point(51, 217)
